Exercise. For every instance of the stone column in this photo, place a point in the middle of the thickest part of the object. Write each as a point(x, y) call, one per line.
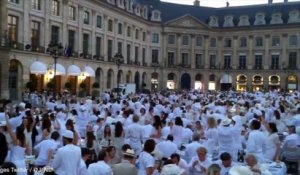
point(80, 23)
point(220, 59)
point(105, 22)
point(266, 62)
point(47, 25)
point(65, 18)
point(164, 52)
point(93, 36)
point(284, 61)
point(193, 57)
point(178, 55)
point(3, 22)
point(206, 51)
point(4, 75)
point(234, 63)
point(250, 57)
point(26, 31)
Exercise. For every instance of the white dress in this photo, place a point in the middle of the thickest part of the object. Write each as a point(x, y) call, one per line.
point(272, 141)
point(17, 156)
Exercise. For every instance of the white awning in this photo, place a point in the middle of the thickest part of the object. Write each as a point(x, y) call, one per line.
point(74, 70)
point(226, 79)
point(89, 71)
point(38, 67)
point(60, 69)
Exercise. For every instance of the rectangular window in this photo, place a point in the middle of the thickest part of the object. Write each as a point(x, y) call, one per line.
point(36, 4)
point(137, 33)
point(199, 60)
point(13, 1)
point(185, 59)
point(55, 7)
point(110, 25)
point(227, 62)
point(86, 17)
point(99, 21)
point(54, 34)
point(144, 36)
point(243, 42)
point(35, 35)
point(242, 62)
point(258, 41)
point(171, 57)
point(293, 40)
point(185, 40)
point(85, 44)
point(155, 56)
point(227, 42)
point(199, 41)
point(275, 41)
point(213, 42)
point(98, 46)
point(71, 39)
point(212, 61)
point(293, 60)
point(258, 62)
point(12, 29)
point(144, 55)
point(109, 49)
point(136, 54)
point(155, 38)
point(120, 29)
point(128, 31)
point(72, 13)
point(171, 39)
point(275, 61)
point(128, 53)
point(120, 45)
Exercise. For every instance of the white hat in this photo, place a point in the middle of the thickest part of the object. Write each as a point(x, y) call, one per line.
point(22, 105)
point(171, 169)
point(129, 152)
point(68, 134)
point(226, 122)
point(3, 123)
point(240, 170)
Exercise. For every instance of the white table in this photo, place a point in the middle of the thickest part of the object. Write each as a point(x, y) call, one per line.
point(276, 169)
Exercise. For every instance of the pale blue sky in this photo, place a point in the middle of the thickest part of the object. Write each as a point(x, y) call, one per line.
point(222, 3)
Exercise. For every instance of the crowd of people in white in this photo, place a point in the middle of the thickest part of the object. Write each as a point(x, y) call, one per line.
point(166, 133)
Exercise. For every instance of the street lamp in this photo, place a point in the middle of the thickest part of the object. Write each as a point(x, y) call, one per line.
point(55, 50)
point(118, 59)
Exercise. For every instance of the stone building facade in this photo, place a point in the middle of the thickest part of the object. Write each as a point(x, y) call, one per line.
point(164, 45)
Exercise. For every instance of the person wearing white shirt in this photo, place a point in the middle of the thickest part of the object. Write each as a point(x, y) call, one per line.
point(226, 138)
point(146, 162)
point(191, 149)
point(166, 148)
point(46, 149)
point(135, 135)
point(225, 163)
point(101, 167)
point(256, 143)
point(180, 162)
point(86, 155)
point(200, 163)
point(67, 158)
point(290, 142)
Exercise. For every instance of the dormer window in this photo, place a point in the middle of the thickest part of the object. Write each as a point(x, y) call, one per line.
point(260, 19)
point(129, 4)
point(145, 12)
point(294, 16)
point(244, 21)
point(155, 15)
point(138, 10)
point(121, 4)
point(276, 18)
point(228, 21)
point(213, 21)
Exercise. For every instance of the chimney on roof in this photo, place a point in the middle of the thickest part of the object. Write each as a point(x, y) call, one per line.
point(227, 4)
point(270, 2)
point(196, 3)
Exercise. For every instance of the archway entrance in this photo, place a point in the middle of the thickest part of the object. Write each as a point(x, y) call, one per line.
point(292, 82)
point(137, 81)
point(226, 82)
point(212, 82)
point(171, 81)
point(274, 82)
point(128, 77)
point(154, 81)
point(144, 80)
point(241, 83)
point(15, 71)
point(198, 83)
point(186, 81)
point(257, 83)
point(110, 76)
point(98, 77)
